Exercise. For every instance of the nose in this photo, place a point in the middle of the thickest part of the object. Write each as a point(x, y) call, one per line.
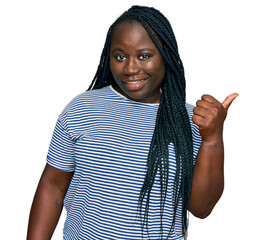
point(131, 67)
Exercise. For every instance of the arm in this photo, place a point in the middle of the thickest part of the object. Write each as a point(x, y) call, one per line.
point(48, 203)
point(208, 178)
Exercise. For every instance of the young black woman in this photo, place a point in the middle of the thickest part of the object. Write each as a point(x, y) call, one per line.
point(129, 157)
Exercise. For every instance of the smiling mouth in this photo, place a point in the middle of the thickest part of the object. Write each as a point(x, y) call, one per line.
point(135, 82)
point(135, 85)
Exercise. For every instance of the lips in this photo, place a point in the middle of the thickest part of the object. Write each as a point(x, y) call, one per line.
point(134, 85)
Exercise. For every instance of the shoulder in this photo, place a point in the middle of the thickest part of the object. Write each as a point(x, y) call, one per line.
point(189, 108)
point(87, 99)
point(84, 104)
point(196, 138)
point(194, 127)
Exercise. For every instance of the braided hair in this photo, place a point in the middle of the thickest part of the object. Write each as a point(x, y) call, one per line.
point(172, 122)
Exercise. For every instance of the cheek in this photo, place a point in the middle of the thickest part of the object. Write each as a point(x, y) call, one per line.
point(156, 67)
point(162, 70)
point(114, 68)
point(158, 71)
point(162, 67)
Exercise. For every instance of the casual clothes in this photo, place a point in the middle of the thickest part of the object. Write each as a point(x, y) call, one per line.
point(104, 138)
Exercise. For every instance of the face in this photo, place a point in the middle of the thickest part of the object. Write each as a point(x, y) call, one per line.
point(136, 64)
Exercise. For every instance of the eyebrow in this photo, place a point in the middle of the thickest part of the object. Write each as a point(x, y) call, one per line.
point(146, 50)
point(117, 49)
point(140, 50)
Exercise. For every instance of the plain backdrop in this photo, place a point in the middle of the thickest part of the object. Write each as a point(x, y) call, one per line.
point(49, 52)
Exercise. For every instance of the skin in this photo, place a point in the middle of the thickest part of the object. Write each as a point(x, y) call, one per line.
point(208, 178)
point(135, 57)
point(48, 203)
point(127, 48)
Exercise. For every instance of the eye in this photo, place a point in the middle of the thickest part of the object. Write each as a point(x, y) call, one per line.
point(120, 57)
point(144, 57)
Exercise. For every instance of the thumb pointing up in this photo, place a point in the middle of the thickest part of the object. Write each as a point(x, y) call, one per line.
point(210, 114)
point(227, 102)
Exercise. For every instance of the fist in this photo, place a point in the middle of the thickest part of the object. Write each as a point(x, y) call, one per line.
point(209, 115)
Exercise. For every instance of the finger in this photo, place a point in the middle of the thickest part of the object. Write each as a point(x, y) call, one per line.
point(227, 102)
point(208, 98)
point(202, 112)
point(198, 120)
point(203, 104)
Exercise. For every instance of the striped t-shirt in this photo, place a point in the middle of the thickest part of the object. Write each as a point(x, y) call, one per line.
point(104, 138)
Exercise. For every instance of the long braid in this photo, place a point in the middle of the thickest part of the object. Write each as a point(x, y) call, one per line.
point(172, 122)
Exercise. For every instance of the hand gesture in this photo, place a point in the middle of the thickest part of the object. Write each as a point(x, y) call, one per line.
point(209, 115)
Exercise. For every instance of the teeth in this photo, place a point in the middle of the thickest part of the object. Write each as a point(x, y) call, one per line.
point(135, 82)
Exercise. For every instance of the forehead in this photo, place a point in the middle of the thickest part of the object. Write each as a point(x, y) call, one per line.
point(131, 34)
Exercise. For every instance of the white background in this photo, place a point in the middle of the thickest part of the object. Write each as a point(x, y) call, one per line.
point(49, 51)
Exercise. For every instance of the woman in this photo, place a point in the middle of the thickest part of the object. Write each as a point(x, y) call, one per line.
point(130, 158)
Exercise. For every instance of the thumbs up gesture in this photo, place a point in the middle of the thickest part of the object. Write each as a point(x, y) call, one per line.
point(209, 115)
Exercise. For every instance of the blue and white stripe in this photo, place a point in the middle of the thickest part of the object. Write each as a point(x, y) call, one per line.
point(105, 137)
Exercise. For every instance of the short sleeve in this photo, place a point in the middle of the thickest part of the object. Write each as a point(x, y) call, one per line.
point(196, 137)
point(61, 149)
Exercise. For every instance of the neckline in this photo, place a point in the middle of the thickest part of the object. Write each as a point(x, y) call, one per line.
point(129, 100)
